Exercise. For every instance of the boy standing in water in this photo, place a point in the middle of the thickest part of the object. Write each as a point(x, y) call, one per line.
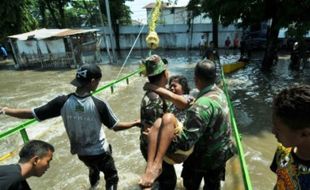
point(34, 160)
point(83, 116)
point(291, 127)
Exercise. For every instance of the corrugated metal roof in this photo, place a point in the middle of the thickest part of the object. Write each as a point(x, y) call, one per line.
point(71, 32)
point(49, 33)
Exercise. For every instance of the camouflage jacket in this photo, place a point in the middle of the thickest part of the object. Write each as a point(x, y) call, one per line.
point(207, 126)
point(152, 108)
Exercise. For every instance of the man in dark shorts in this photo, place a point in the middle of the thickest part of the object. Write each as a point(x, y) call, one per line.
point(34, 160)
point(83, 116)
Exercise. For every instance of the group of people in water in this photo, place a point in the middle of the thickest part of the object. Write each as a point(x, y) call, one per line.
point(176, 126)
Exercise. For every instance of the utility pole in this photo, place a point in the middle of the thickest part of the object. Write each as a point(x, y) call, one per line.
point(104, 35)
point(112, 40)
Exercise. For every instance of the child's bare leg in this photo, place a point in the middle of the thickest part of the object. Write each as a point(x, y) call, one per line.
point(153, 142)
point(165, 136)
point(152, 149)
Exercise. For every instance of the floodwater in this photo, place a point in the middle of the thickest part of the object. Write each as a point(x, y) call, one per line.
point(251, 93)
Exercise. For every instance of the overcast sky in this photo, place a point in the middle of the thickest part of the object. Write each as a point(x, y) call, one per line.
point(139, 13)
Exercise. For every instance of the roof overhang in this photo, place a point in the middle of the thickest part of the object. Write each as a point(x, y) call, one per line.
point(50, 33)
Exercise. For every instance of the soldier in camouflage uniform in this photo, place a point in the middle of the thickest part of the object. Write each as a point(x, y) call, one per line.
point(209, 115)
point(206, 128)
point(152, 108)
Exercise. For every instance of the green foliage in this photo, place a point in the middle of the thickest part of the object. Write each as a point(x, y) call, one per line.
point(16, 18)
point(55, 11)
point(280, 13)
point(120, 13)
point(125, 18)
point(19, 16)
point(195, 7)
point(253, 12)
point(83, 13)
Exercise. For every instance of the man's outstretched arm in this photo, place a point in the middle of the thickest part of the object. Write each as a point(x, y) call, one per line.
point(18, 113)
point(126, 125)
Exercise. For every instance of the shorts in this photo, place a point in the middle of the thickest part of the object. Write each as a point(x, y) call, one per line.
point(179, 155)
point(104, 163)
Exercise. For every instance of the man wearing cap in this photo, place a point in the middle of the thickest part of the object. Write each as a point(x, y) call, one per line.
point(153, 107)
point(83, 115)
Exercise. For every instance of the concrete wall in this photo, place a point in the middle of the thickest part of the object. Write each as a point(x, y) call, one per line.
point(178, 15)
point(171, 36)
point(171, 16)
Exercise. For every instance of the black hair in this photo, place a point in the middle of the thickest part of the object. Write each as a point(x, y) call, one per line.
point(182, 81)
point(292, 106)
point(206, 71)
point(34, 148)
point(156, 78)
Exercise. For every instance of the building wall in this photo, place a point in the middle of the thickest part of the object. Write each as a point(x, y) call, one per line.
point(178, 15)
point(44, 46)
point(171, 36)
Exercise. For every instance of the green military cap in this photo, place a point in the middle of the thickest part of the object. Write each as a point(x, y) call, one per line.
point(154, 65)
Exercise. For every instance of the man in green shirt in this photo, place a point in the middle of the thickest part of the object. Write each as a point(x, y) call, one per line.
point(210, 116)
point(206, 128)
point(152, 109)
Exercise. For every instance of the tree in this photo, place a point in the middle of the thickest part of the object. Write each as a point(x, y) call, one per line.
point(284, 13)
point(83, 13)
point(297, 11)
point(279, 13)
point(16, 18)
point(212, 9)
point(56, 9)
point(120, 15)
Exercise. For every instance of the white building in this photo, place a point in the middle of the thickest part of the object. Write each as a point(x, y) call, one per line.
point(175, 14)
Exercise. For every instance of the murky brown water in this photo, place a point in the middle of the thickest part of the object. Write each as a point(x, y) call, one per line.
point(251, 93)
